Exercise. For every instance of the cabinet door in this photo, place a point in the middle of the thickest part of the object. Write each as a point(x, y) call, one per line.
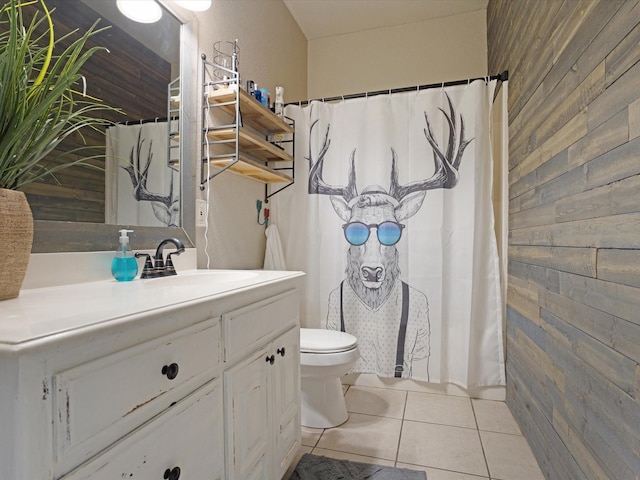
point(252, 326)
point(247, 418)
point(285, 404)
point(187, 436)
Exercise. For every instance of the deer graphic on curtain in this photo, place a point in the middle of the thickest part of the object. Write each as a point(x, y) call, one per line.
point(166, 208)
point(389, 317)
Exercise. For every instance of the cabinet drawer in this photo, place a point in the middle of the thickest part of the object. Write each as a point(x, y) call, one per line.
point(252, 326)
point(98, 402)
point(188, 436)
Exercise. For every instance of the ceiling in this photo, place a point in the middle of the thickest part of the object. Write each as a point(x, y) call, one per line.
point(327, 18)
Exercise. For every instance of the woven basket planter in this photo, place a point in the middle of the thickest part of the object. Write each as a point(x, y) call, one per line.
point(16, 238)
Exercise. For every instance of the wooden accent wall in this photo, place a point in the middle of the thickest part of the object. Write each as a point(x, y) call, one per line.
point(573, 321)
point(131, 77)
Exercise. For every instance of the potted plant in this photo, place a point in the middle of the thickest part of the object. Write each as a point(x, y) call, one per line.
point(41, 104)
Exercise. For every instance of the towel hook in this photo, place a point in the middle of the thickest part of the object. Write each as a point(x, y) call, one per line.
point(266, 214)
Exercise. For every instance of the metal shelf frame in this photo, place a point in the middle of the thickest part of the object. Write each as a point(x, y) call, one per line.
point(253, 143)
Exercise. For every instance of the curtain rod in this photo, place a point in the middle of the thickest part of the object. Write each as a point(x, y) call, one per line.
point(502, 77)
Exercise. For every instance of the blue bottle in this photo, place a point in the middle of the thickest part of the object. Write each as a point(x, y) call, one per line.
point(124, 266)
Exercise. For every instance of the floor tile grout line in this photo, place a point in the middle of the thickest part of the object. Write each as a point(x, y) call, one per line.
point(475, 416)
point(378, 416)
point(436, 423)
point(395, 389)
point(404, 409)
point(353, 454)
point(484, 454)
point(319, 437)
point(501, 433)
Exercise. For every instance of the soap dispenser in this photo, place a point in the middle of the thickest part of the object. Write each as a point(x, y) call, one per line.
point(124, 266)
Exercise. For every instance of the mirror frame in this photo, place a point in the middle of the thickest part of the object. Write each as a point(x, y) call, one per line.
point(55, 236)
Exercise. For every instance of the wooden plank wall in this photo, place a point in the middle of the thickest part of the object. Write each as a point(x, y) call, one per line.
point(131, 77)
point(573, 320)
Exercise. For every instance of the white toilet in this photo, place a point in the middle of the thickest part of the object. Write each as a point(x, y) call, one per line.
point(325, 355)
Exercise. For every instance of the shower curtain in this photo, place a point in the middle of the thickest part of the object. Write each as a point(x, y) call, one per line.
point(391, 218)
point(141, 188)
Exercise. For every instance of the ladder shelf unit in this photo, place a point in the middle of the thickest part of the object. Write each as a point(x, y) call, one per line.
point(242, 136)
point(173, 124)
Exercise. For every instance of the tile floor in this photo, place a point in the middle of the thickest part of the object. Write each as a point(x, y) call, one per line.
point(448, 437)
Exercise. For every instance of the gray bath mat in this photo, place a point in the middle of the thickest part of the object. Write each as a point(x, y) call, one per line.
point(314, 467)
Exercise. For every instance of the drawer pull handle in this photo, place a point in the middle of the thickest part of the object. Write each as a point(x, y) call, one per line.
point(271, 359)
point(172, 474)
point(280, 351)
point(171, 371)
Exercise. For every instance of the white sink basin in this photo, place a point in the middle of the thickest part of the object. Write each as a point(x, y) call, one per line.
point(200, 277)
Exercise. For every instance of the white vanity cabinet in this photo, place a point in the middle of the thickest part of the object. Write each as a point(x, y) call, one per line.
point(151, 380)
point(262, 389)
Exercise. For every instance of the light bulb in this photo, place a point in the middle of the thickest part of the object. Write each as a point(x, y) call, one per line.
point(194, 5)
point(143, 11)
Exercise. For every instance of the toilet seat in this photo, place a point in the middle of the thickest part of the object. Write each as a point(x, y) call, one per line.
point(319, 341)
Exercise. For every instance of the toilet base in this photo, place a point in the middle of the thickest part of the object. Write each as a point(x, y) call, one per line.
point(323, 404)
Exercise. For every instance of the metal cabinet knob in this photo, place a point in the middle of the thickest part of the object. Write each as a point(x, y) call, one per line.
point(172, 474)
point(280, 351)
point(171, 371)
point(270, 359)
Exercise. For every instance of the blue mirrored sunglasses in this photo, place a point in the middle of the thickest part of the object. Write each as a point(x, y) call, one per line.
point(357, 233)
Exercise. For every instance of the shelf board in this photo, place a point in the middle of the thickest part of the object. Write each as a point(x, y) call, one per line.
point(247, 167)
point(252, 144)
point(253, 113)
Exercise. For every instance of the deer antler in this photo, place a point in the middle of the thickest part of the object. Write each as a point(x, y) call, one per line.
point(446, 166)
point(139, 177)
point(316, 184)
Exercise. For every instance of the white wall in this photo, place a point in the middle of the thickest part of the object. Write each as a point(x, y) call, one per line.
point(433, 51)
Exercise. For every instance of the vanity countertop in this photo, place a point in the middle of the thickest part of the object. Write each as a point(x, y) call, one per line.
point(42, 312)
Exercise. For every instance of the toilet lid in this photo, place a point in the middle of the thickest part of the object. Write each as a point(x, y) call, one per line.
point(317, 340)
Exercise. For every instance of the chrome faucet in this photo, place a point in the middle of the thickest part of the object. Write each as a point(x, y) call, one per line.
point(159, 267)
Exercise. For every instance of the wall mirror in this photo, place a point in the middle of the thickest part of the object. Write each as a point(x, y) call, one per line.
point(82, 209)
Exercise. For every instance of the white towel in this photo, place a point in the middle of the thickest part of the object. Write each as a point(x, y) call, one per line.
point(273, 255)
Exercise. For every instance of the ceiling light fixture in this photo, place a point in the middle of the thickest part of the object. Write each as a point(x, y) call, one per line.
point(143, 11)
point(194, 5)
